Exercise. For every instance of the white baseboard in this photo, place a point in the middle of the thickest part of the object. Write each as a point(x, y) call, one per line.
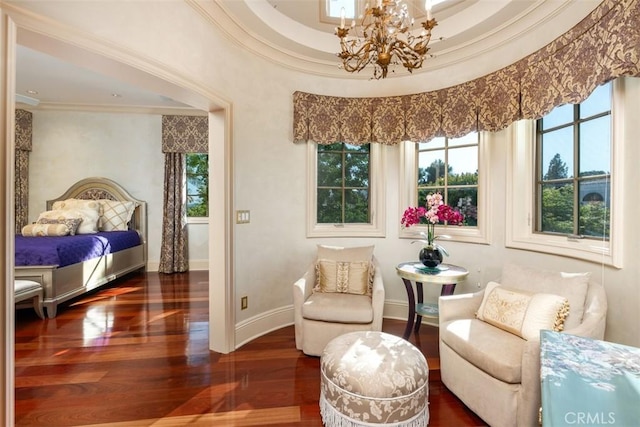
point(262, 324)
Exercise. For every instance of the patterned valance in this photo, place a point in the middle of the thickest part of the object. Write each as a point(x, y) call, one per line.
point(603, 46)
point(24, 125)
point(185, 134)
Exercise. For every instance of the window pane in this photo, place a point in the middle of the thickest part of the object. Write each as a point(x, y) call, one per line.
point(356, 206)
point(598, 102)
point(431, 167)
point(558, 116)
point(466, 201)
point(343, 183)
point(357, 170)
point(595, 146)
point(329, 169)
point(557, 208)
point(329, 206)
point(334, 8)
point(197, 171)
point(463, 161)
point(557, 154)
point(594, 207)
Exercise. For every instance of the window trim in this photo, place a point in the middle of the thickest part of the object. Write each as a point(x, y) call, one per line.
point(376, 228)
point(520, 204)
point(408, 183)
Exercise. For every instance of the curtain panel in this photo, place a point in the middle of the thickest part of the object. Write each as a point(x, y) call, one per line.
point(603, 46)
point(174, 249)
point(24, 133)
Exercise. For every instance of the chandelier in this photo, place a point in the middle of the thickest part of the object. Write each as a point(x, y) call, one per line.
point(384, 38)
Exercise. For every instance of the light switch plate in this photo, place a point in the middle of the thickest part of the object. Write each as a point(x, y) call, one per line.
point(243, 217)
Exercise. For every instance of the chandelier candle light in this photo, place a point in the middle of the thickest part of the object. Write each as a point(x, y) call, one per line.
point(434, 213)
point(384, 38)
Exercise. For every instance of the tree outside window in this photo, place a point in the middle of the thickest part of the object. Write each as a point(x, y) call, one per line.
point(574, 168)
point(197, 185)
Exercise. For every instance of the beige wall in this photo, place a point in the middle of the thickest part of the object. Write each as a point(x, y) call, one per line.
point(269, 170)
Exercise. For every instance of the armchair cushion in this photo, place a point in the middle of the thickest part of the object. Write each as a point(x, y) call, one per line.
point(338, 308)
point(572, 286)
point(522, 313)
point(492, 350)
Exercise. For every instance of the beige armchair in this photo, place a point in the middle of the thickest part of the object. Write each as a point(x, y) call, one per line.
point(496, 373)
point(321, 316)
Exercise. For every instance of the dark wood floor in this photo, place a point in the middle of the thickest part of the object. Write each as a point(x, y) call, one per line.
point(136, 354)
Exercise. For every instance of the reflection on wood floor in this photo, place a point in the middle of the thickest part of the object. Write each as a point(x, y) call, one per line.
point(136, 354)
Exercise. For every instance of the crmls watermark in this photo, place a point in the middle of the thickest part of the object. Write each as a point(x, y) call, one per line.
point(590, 418)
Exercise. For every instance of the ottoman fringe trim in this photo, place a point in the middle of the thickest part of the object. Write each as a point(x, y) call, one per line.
point(332, 418)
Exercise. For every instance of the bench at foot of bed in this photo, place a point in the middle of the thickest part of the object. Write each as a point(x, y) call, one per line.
point(28, 289)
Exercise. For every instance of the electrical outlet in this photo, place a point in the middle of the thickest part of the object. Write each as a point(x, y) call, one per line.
point(244, 303)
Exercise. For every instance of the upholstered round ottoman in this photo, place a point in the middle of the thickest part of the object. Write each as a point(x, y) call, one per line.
point(373, 379)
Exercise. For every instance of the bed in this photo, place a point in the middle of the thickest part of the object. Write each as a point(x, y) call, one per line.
point(71, 265)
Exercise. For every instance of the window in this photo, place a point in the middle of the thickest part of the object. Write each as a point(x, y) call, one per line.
point(345, 191)
point(565, 177)
point(455, 167)
point(450, 167)
point(573, 147)
point(197, 185)
point(331, 10)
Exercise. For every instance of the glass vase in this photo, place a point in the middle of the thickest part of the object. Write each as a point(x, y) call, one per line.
point(430, 256)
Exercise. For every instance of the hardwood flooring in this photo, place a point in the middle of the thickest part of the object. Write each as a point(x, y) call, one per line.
point(136, 354)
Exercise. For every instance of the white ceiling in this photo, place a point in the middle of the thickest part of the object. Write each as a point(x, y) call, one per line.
point(291, 32)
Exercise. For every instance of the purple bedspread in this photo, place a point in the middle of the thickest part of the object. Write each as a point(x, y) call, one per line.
point(67, 250)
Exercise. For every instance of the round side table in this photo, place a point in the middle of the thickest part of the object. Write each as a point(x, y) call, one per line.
point(447, 275)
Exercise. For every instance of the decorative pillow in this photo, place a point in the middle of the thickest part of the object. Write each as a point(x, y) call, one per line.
point(71, 223)
point(88, 225)
point(344, 277)
point(31, 230)
point(115, 215)
point(361, 254)
point(522, 313)
point(572, 286)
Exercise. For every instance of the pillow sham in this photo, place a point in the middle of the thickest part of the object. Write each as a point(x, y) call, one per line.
point(71, 223)
point(522, 313)
point(115, 215)
point(33, 230)
point(89, 217)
